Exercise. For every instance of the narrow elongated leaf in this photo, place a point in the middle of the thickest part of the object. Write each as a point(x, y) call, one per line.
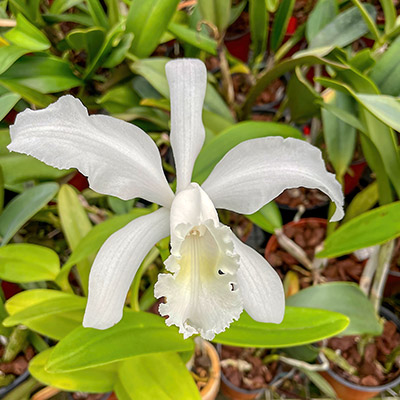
point(97, 13)
point(340, 138)
point(75, 224)
point(27, 36)
point(119, 52)
point(8, 56)
point(217, 12)
point(369, 229)
point(99, 379)
point(216, 148)
point(362, 201)
point(59, 6)
point(23, 207)
point(386, 72)
point(7, 102)
point(321, 15)
point(345, 298)
point(281, 22)
point(258, 27)
point(25, 262)
point(138, 333)
point(267, 218)
point(137, 378)
point(148, 20)
point(299, 326)
point(347, 27)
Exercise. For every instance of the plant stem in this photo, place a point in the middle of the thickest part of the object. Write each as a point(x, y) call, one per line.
point(151, 256)
point(385, 257)
point(24, 390)
point(369, 271)
point(16, 343)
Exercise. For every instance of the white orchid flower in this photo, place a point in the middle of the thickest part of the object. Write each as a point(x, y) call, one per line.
point(212, 274)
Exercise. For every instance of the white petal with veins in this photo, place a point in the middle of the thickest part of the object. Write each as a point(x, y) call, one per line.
point(256, 171)
point(118, 158)
point(187, 79)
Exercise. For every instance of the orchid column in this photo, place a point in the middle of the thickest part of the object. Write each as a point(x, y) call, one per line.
point(211, 275)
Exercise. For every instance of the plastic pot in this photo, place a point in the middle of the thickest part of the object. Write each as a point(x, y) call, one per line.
point(16, 382)
point(239, 45)
point(350, 391)
point(351, 181)
point(211, 389)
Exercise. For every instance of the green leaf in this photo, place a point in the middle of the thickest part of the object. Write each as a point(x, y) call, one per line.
point(321, 15)
point(389, 10)
point(118, 99)
point(347, 27)
point(281, 22)
point(259, 18)
point(7, 103)
point(216, 148)
point(8, 56)
point(100, 379)
point(75, 224)
point(267, 218)
point(59, 6)
point(217, 12)
point(299, 326)
point(97, 13)
point(23, 207)
point(272, 5)
point(320, 382)
point(119, 52)
point(340, 138)
point(386, 72)
point(362, 201)
point(91, 243)
point(55, 317)
point(89, 39)
point(138, 333)
point(138, 380)
point(46, 74)
point(27, 36)
point(153, 70)
point(371, 228)
point(148, 20)
point(345, 298)
point(25, 262)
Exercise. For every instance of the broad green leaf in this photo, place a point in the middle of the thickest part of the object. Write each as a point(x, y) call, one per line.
point(46, 74)
point(75, 224)
point(77, 18)
point(119, 52)
point(148, 20)
point(55, 317)
point(280, 24)
point(386, 72)
point(321, 15)
point(138, 380)
point(340, 138)
point(138, 333)
point(24, 206)
point(194, 38)
point(342, 297)
point(30, 95)
point(7, 103)
point(362, 201)
point(299, 326)
point(259, 19)
point(59, 6)
point(385, 108)
point(91, 243)
point(3, 314)
point(100, 379)
point(89, 39)
point(27, 36)
point(25, 262)
point(1, 190)
point(153, 70)
point(119, 206)
point(8, 56)
point(371, 228)
point(362, 60)
point(267, 218)
point(301, 97)
point(217, 12)
point(97, 13)
point(347, 27)
point(21, 168)
point(119, 99)
point(29, 298)
point(156, 117)
point(216, 148)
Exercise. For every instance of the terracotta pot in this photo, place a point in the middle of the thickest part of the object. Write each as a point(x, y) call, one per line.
point(211, 389)
point(272, 244)
point(351, 181)
point(233, 392)
point(350, 391)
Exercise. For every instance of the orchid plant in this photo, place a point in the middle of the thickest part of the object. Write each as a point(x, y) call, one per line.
point(212, 276)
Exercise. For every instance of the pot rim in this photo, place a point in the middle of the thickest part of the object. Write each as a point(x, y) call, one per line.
point(215, 369)
point(391, 317)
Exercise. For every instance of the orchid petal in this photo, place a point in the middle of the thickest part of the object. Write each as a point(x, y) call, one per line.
point(260, 285)
point(116, 264)
point(118, 158)
point(256, 171)
point(187, 79)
